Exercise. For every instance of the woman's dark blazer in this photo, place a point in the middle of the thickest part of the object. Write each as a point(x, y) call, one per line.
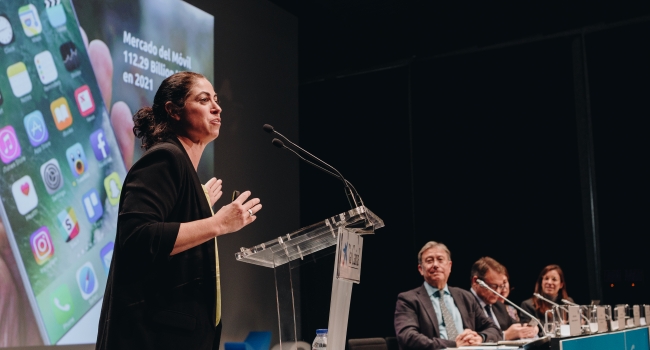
point(154, 300)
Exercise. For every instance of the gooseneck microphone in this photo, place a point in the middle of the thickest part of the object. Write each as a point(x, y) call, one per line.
point(537, 321)
point(539, 296)
point(569, 302)
point(279, 144)
point(350, 191)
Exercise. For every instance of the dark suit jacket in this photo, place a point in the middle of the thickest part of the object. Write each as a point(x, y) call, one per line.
point(154, 300)
point(500, 312)
point(416, 323)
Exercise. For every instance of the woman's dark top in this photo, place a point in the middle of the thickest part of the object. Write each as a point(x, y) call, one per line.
point(154, 300)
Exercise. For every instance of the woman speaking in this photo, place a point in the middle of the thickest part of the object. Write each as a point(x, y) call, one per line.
point(163, 287)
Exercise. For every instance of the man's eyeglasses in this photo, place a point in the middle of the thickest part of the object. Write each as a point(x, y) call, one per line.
point(498, 286)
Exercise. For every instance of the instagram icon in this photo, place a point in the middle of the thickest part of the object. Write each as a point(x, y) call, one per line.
point(42, 246)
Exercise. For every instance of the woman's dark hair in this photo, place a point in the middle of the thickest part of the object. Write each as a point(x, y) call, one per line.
point(542, 306)
point(153, 124)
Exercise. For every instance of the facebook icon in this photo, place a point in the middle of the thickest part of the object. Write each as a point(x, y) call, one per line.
point(98, 142)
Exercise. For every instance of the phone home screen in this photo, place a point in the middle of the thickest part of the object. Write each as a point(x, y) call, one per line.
point(60, 168)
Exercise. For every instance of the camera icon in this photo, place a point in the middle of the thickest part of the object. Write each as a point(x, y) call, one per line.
point(42, 247)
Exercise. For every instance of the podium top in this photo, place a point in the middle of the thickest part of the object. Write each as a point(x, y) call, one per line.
point(310, 239)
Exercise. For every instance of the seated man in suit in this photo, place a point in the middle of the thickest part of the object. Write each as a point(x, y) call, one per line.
point(495, 276)
point(436, 316)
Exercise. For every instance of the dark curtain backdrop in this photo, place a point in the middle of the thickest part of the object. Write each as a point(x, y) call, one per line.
point(619, 71)
point(479, 151)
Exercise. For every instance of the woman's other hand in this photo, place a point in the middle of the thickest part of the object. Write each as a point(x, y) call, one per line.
point(214, 190)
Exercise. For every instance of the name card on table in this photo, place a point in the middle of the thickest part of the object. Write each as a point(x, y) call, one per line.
point(636, 313)
point(620, 316)
point(602, 319)
point(574, 320)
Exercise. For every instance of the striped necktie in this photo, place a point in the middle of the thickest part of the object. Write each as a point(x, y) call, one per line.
point(452, 331)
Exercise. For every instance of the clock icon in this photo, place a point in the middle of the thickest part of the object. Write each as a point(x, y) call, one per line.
point(6, 32)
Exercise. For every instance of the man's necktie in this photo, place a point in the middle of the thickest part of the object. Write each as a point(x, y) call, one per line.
point(490, 314)
point(488, 309)
point(452, 331)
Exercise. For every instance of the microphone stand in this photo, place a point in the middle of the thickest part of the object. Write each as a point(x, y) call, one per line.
point(569, 302)
point(280, 144)
point(484, 285)
point(539, 296)
point(348, 189)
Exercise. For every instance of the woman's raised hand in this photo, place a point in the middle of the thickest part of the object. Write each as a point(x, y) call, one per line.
point(234, 216)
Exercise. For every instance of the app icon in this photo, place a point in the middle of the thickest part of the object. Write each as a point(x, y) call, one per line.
point(106, 255)
point(92, 205)
point(55, 12)
point(24, 194)
point(99, 145)
point(45, 67)
point(6, 32)
point(30, 20)
point(35, 127)
point(113, 186)
point(41, 243)
point(62, 304)
point(84, 101)
point(76, 159)
point(70, 56)
point(9, 146)
point(61, 113)
point(52, 177)
point(19, 80)
point(69, 224)
point(87, 280)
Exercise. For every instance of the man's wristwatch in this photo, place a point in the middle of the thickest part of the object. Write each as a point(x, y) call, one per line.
point(483, 336)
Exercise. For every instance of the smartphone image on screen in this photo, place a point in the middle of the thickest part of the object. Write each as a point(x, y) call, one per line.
point(61, 170)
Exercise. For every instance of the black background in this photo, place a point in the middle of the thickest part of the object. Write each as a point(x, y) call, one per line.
point(457, 123)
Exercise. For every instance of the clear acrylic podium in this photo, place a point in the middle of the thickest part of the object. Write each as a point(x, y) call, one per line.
point(285, 253)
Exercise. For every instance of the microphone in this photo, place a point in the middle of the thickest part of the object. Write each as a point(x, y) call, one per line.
point(569, 302)
point(539, 296)
point(268, 128)
point(348, 188)
point(484, 285)
point(279, 144)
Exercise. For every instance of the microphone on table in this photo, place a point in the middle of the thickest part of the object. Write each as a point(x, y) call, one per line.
point(350, 191)
point(539, 296)
point(537, 321)
point(569, 302)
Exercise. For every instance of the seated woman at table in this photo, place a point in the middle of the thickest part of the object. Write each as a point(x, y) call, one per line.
point(512, 312)
point(551, 285)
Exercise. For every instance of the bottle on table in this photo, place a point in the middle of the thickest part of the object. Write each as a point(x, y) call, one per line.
point(320, 342)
